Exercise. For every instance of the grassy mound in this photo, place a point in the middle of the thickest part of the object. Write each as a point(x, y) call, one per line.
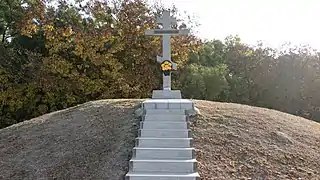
point(90, 141)
point(243, 142)
point(94, 141)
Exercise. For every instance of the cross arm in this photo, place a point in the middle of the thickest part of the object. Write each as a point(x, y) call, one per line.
point(160, 32)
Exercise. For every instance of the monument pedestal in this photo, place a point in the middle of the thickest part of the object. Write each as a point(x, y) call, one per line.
point(166, 94)
point(171, 104)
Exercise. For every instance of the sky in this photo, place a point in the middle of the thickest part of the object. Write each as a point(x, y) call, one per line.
point(274, 22)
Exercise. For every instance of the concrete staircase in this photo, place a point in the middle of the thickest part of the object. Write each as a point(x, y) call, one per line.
point(163, 148)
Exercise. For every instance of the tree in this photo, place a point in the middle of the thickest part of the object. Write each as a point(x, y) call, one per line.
point(83, 51)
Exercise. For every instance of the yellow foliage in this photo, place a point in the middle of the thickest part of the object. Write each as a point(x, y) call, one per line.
point(248, 53)
point(48, 28)
point(29, 30)
point(68, 32)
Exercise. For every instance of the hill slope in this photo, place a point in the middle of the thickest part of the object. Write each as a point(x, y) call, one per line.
point(242, 142)
point(94, 141)
point(89, 141)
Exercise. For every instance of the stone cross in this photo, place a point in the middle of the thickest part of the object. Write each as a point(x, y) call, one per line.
point(166, 32)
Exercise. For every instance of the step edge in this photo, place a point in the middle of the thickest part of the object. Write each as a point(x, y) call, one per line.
point(133, 174)
point(161, 174)
point(164, 160)
point(166, 129)
point(150, 138)
point(145, 148)
point(165, 121)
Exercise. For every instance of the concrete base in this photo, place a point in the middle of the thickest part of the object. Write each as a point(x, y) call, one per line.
point(171, 104)
point(166, 94)
point(165, 111)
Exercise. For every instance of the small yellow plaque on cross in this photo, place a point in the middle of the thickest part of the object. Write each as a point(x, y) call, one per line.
point(166, 67)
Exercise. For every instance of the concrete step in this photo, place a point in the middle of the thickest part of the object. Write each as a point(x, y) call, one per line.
point(165, 166)
point(165, 117)
point(165, 111)
point(164, 153)
point(162, 176)
point(164, 142)
point(164, 125)
point(165, 133)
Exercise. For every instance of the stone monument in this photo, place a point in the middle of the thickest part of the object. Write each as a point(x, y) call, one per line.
point(163, 147)
point(166, 63)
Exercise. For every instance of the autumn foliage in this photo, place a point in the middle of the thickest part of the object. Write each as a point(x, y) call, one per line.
point(65, 54)
point(56, 54)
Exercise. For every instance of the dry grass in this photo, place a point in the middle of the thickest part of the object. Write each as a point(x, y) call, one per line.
point(243, 142)
point(91, 141)
point(94, 141)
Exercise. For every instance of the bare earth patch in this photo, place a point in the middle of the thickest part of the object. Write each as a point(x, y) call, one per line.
point(243, 142)
point(90, 141)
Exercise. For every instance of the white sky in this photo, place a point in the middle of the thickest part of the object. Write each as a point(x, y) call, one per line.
point(272, 21)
